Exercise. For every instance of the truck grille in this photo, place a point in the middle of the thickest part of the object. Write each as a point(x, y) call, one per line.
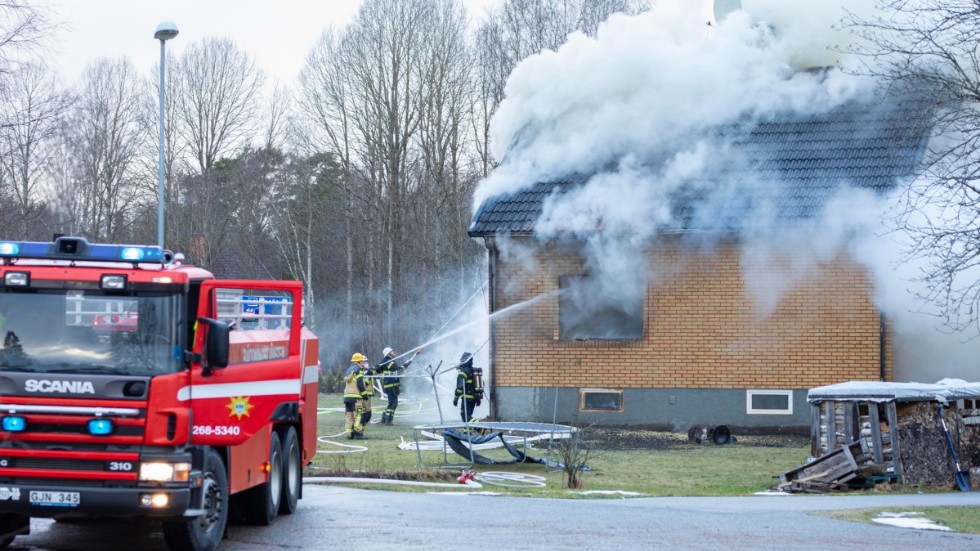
point(56, 444)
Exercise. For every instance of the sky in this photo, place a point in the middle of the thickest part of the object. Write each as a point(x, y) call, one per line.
point(278, 33)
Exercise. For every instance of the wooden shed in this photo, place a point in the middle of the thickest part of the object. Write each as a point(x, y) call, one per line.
point(895, 427)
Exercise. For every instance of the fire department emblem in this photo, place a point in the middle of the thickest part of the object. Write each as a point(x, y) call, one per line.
point(239, 407)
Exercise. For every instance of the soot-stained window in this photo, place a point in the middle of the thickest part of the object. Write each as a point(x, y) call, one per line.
point(589, 310)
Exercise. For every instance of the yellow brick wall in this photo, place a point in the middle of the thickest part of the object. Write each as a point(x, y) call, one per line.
point(701, 329)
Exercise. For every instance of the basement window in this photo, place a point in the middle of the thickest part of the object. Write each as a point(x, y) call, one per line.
point(769, 402)
point(587, 310)
point(600, 399)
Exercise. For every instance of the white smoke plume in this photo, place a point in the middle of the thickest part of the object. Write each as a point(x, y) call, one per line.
point(632, 107)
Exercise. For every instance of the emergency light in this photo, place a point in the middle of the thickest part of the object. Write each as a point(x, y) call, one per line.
point(14, 423)
point(100, 427)
point(77, 248)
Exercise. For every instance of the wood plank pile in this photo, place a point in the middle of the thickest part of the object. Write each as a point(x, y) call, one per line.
point(833, 471)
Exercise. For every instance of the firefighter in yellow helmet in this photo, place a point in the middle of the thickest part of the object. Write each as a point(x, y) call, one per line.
point(366, 385)
point(353, 390)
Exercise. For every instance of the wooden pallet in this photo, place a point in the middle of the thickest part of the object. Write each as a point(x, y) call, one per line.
point(831, 472)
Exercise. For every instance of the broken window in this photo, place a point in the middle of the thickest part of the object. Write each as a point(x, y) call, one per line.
point(588, 310)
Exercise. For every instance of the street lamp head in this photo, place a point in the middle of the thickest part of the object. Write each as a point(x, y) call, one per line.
point(165, 31)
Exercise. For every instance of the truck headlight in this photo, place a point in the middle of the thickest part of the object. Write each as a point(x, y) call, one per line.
point(162, 471)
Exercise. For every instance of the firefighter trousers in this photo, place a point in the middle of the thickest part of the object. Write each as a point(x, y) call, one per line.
point(392, 395)
point(363, 413)
point(352, 418)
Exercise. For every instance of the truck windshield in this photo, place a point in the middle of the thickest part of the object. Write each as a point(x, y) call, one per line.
point(89, 332)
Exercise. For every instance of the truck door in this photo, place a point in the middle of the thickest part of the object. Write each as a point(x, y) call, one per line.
point(263, 380)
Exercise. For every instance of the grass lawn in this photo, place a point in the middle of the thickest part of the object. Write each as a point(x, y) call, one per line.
point(650, 464)
point(957, 519)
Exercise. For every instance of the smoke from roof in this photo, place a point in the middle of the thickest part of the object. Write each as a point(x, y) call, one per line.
point(635, 108)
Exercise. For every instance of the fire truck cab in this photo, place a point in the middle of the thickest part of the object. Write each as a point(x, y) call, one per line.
point(132, 385)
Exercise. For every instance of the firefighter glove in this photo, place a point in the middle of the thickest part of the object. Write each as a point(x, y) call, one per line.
point(408, 363)
point(456, 401)
point(477, 403)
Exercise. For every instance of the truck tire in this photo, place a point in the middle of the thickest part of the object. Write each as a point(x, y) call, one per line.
point(262, 502)
point(204, 533)
point(292, 473)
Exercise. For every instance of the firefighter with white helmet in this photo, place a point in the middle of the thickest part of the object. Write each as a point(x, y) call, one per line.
point(391, 372)
point(353, 397)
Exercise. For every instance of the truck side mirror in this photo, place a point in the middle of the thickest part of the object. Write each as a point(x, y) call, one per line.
point(215, 345)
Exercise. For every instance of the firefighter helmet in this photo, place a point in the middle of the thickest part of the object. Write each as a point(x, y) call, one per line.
point(466, 358)
point(358, 357)
point(387, 351)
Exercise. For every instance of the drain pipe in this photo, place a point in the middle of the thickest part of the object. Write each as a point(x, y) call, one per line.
point(492, 254)
point(882, 345)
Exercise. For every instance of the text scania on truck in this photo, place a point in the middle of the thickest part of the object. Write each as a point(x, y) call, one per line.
point(132, 385)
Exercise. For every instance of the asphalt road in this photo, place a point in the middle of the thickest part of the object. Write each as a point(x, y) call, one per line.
point(338, 517)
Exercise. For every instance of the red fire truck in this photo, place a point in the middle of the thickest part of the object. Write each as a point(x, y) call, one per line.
point(132, 385)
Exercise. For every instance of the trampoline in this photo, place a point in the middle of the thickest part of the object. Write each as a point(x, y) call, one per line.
point(465, 438)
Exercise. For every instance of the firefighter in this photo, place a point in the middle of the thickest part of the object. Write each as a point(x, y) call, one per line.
point(353, 391)
point(469, 387)
point(391, 372)
point(366, 384)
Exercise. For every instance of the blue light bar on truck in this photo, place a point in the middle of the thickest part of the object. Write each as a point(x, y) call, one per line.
point(77, 248)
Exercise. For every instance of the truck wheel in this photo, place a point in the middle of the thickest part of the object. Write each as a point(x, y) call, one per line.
point(262, 501)
point(292, 473)
point(204, 533)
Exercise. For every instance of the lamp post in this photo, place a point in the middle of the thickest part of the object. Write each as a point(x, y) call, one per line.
point(165, 31)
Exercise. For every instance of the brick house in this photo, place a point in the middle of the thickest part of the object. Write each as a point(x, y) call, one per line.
point(691, 349)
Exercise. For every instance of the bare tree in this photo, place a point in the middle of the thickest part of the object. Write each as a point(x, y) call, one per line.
point(280, 107)
point(308, 196)
point(32, 110)
point(24, 29)
point(517, 29)
point(218, 88)
point(931, 45)
point(593, 12)
point(109, 134)
point(444, 140)
point(327, 101)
